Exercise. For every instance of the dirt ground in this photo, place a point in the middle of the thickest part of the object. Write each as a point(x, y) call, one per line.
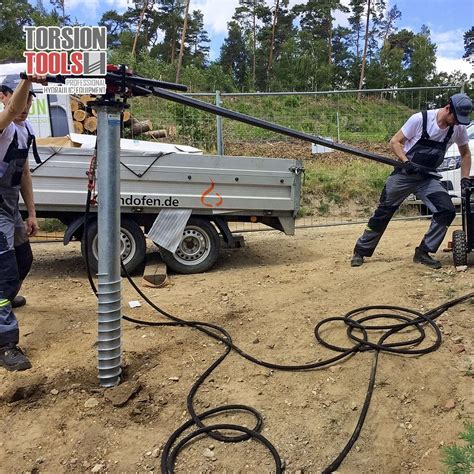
point(269, 296)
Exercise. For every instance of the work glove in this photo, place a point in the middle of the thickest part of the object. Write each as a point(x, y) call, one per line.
point(410, 168)
point(465, 184)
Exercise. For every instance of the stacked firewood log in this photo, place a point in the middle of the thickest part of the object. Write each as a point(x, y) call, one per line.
point(85, 120)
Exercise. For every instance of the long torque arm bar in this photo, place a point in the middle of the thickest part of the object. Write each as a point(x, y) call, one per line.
point(142, 86)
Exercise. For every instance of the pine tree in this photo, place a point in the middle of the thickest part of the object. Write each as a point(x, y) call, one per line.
point(60, 12)
point(273, 35)
point(247, 14)
point(366, 43)
point(388, 22)
point(272, 42)
point(183, 38)
point(469, 45)
point(234, 57)
point(197, 40)
point(423, 60)
point(356, 23)
point(116, 24)
point(170, 14)
point(343, 58)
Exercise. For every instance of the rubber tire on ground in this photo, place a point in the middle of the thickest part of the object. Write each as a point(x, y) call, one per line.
point(210, 234)
point(132, 230)
point(459, 248)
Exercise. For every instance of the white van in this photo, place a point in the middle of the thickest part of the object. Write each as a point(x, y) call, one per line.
point(450, 169)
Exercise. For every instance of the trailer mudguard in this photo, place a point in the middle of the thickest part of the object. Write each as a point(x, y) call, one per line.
point(72, 228)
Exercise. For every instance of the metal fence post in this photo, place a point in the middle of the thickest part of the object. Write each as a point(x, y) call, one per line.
point(220, 136)
point(338, 128)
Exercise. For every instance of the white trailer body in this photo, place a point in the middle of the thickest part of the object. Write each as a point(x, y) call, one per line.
point(169, 179)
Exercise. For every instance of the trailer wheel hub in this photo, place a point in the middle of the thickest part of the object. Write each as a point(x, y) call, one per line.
point(127, 246)
point(194, 246)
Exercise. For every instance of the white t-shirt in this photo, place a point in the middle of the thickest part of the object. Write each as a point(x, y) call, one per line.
point(413, 129)
point(6, 137)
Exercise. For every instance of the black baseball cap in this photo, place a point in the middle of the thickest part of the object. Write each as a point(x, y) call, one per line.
point(461, 106)
point(10, 82)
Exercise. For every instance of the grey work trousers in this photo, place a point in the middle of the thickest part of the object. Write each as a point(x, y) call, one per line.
point(15, 263)
point(397, 188)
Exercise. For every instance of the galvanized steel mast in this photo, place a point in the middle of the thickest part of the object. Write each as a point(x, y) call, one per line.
point(109, 349)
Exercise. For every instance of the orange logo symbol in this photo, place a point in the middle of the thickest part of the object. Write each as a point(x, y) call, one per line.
point(206, 193)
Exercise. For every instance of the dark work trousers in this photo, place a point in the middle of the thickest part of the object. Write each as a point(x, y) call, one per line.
point(397, 188)
point(15, 251)
point(15, 263)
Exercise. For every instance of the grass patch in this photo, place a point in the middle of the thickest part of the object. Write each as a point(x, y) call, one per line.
point(334, 116)
point(338, 184)
point(460, 459)
point(52, 225)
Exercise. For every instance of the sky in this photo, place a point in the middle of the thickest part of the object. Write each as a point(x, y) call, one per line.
point(448, 20)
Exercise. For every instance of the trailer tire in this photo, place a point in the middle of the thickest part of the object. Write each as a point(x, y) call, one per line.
point(198, 249)
point(459, 248)
point(132, 245)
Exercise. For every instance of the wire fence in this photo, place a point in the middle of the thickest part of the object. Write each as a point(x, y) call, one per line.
point(366, 118)
point(348, 115)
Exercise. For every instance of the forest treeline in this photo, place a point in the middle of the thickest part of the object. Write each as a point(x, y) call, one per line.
point(269, 46)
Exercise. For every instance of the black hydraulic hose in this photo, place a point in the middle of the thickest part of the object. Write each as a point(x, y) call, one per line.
point(360, 422)
point(404, 317)
point(86, 241)
point(355, 321)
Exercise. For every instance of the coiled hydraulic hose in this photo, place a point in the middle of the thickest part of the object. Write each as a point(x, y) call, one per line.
point(354, 321)
point(358, 329)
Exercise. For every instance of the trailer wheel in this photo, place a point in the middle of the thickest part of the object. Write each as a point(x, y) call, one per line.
point(198, 249)
point(132, 245)
point(459, 248)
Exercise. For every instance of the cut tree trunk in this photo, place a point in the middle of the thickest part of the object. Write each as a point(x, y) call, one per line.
point(126, 117)
point(155, 134)
point(90, 124)
point(78, 127)
point(76, 104)
point(80, 115)
point(141, 127)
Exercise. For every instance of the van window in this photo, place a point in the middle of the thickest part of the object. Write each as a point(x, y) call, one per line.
point(59, 122)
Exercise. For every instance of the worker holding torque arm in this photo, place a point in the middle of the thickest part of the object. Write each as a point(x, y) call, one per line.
point(16, 137)
point(421, 144)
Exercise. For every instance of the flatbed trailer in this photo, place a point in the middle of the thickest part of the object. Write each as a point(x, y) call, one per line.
point(172, 182)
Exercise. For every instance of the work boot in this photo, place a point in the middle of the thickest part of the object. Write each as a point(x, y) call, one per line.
point(18, 301)
point(423, 257)
point(357, 260)
point(12, 358)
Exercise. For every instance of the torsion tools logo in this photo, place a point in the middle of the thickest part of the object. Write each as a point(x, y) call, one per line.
point(68, 50)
